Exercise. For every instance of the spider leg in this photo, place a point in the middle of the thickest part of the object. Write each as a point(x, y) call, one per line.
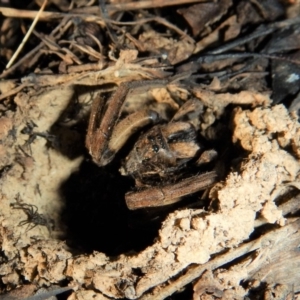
point(29, 228)
point(170, 193)
point(24, 222)
point(100, 141)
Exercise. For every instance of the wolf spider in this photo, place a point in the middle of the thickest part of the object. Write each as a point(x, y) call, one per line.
point(33, 217)
point(160, 154)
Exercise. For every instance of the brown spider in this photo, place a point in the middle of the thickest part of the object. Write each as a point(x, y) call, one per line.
point(159, 155)
point(33, 217)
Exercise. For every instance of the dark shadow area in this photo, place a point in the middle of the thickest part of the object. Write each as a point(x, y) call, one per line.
point(185, 293)
point(96, 216)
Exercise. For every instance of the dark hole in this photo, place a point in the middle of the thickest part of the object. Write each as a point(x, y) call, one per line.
point(96, 216)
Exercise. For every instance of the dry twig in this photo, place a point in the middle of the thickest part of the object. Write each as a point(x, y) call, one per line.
point(26, 37)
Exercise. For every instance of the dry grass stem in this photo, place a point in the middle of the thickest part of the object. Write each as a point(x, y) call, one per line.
point(26, 37)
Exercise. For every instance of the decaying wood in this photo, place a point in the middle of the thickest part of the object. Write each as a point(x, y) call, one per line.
point(263, 256)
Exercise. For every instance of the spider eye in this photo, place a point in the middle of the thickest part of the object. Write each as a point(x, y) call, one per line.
point(150, 138)
point(155, 148)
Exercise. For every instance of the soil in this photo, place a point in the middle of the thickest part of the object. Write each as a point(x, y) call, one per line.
point(64, 225)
